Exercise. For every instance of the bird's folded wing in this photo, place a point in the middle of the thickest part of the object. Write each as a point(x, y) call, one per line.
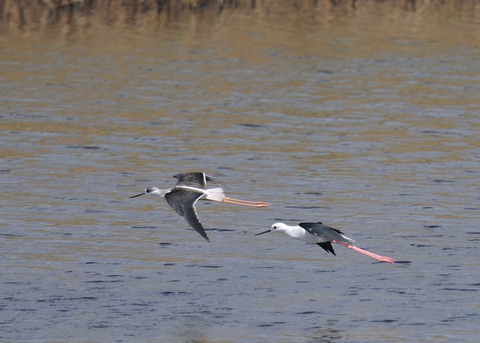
point(326, 232)
point(320, 230)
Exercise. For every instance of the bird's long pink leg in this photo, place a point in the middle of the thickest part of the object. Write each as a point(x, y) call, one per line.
point(245, 202)
point(368, 253)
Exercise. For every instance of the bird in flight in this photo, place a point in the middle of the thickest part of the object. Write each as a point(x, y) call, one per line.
point(323, 236)
point(190, 188)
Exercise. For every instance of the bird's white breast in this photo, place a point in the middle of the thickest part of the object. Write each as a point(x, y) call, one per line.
point(300, 233)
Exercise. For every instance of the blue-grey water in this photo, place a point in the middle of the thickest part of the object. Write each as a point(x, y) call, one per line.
point(367, 120)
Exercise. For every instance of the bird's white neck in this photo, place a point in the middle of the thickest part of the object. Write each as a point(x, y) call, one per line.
point(158, 192)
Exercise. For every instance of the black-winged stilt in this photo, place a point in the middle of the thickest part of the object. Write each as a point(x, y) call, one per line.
point(323, 236)
point(190, 188)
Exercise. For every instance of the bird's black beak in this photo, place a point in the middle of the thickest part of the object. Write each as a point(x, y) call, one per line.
point(134, 196)
point(261, 233)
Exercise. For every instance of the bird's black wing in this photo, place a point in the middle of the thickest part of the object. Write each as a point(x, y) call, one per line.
point(211, 179)
point(325, 232)
point(194, 179)
point(327, 246)
point(183, 202)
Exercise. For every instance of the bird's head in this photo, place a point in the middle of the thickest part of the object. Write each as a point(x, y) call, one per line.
point(280, 227)
point(274, 227)
point(151, 191)
point(154, 191)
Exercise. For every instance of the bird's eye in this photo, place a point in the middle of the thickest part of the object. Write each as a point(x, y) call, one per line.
point(148, 190)
point(274, 227)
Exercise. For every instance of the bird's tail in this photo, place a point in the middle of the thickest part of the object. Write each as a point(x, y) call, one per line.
point(215, 194)
point(348, 239)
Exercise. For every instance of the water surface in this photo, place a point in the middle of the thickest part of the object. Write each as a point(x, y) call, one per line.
point(366, 119)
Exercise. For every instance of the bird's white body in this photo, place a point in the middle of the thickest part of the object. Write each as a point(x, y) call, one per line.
point(213, 194)
point(296, 232)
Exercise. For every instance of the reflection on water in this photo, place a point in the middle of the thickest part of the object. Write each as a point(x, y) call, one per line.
point(363, 116)
point(82, 16)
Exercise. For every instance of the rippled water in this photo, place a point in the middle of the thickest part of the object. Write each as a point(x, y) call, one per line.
point(367, 122)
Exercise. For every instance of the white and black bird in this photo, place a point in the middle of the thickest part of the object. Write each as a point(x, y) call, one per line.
point(190, 188)
point(323, 236)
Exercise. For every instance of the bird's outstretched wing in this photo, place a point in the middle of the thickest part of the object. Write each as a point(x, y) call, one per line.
point(183, 202)
point(327, 246)
point(211, 179)
point(194, 179)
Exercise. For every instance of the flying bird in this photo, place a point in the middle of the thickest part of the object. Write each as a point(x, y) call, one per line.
point(323, 236)
point(190, 188)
